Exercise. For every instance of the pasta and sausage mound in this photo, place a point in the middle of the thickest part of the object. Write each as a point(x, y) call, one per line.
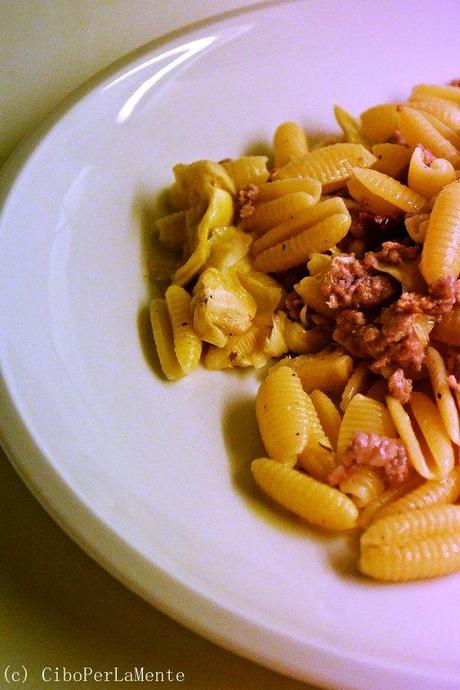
point(337, 264)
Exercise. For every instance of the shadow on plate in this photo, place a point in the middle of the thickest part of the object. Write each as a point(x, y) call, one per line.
point(156, 262)
point(243, 444)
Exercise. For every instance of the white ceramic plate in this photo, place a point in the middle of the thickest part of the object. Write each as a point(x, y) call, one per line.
point(152, 478)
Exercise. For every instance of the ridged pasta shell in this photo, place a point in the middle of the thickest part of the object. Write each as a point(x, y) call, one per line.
point(331, 165)
point(310, 499)
point(320, 237)
point(164, 342)
point(384, 195)
point(413, 525)
point(282, 414)
point(366, 415)
point(430, 493)
point(416, 128)
point(247, 170)
point(363, 485)
point(431, 557)
point(431, 425)
point(187, 344)
point(441, 249)
point(307, 218)
point(289, 142)
point(379, 123)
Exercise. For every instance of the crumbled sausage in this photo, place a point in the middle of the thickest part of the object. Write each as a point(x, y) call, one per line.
point(293, 304)
point(394, 341)
point(399, 386)
point(354, 332)
point(453, 383)
point(392, 253)
point(374, 451)
point(246, 198)
point(348, 283)
point(368, 225)
point(405, 342)
point(440, 300)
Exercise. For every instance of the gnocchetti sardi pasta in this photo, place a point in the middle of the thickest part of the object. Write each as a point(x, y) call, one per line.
point(333, 267)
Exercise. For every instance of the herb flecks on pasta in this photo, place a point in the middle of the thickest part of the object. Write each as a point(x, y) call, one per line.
point(341, 261)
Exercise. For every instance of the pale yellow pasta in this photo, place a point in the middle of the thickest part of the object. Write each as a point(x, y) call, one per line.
point(218, 213)
point(331, 165)
point(257, 243)
point(316, 430)
point(244, 350)
point(164, 341)
point(289, 142)
point(302, 221)
point(431, 425)
point(443, 110)
point(275, 343)
point(317, 461)
point(195, 182)
point(378, 390)
point(247, 170)
point(318, 457)
point(442, 394)
point(272, 213)
point(319, 263)
point(187, 344)
point(308, 498)
point(298, 249)
point(350, 127)
point(171, 230)
point(448, 329)
point(282, 415)
point(392, 159)
point(413, 525)
point(388, 496)
point(227, 246)
point(449, 93)
point(303, 341)
point(328, 371)
point(428, 180)
point(365, 415)
point(221, 306)
point(273, 190)
point(406, 431)
point(359, 381)
point(309, 290)
point(441, 249)
point(384, 195)
point(363, 485)
point(416, 226)
point(416, 128)
point(444, 130)
point(379, 123)
point(328, 415)
point(431, 557)
point(431, 493)
point(265, 290)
